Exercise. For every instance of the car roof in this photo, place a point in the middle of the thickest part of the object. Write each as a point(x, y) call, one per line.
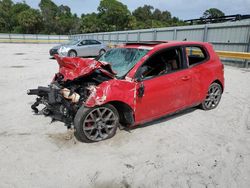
point(150, 45)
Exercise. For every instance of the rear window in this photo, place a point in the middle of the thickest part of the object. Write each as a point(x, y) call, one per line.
point(195, 55)
point(94, 42)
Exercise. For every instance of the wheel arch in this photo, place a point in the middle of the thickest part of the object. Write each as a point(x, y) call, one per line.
point(220, 83)
point(126, 113)
point(73, 51)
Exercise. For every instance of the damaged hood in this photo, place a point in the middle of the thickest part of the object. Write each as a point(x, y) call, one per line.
point(72, 68)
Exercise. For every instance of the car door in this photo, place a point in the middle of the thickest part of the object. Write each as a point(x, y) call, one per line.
point(83, 48)
point(197, 58)
point(163, 94)
point(94, 47)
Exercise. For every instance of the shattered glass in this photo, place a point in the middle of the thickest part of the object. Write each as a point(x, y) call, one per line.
point(123, 59)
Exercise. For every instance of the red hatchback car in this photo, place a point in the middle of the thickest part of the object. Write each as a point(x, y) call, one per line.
point(130, 85)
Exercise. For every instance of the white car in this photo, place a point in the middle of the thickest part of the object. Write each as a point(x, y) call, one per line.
point(83, 48)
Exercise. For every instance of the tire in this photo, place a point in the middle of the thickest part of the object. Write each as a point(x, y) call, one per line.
point(72, 53)
point(213, 97)
point(102, 51)
point(91, 125)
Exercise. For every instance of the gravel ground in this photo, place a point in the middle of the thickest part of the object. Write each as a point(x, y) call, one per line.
point(191, 149)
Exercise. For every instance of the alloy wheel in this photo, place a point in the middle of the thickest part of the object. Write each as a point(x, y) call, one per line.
point(213, 96)
point(99, 124)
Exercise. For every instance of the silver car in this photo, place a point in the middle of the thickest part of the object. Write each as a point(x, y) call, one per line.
point(83, 48)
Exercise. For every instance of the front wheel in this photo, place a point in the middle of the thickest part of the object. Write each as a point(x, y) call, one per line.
point(96, 124)
point(72, 53)
point(213, 97)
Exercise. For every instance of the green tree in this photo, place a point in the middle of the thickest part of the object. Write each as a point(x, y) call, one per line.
point(16, 9)
point(66, 23)
point(176, 22)
point(49, 12)
point(148, 17)
point(166, 16)
point(90, 23)
point(114, 14)
point(30, 21)
point(213, 13)
point(6, 22)
point(143, 13)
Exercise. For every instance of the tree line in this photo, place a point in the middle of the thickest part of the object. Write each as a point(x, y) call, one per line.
point(111, 15)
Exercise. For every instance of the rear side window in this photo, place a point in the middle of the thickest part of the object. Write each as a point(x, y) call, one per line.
point(94, 42)
point(195, 55)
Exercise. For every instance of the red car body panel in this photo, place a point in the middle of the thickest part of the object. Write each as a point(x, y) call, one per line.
point(72, 68)
point(163, 94)
point(111, 91)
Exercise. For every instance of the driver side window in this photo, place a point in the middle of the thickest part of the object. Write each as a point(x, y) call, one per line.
point(161, 63)
point(84, 42)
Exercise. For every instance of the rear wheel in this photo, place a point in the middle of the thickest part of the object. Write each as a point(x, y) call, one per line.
point(72, 53)
point(96, 124)
point(213, 97)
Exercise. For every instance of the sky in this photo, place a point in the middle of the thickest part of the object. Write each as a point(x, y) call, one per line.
point(183, 9)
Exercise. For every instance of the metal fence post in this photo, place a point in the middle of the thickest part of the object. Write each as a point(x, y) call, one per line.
point(138, 36)
point(248, 47)
point(127, 37)
point(24, 38)
point(9, 37)
point(205, 33)
point(154, 34)
point(175, 34)
point(117, 38)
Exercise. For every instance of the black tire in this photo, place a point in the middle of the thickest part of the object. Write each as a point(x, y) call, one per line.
point(213, 97)
point(102, 51)
point(82, 116)
point(72, 53)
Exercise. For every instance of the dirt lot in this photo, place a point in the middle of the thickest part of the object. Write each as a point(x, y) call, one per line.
point(191, 149)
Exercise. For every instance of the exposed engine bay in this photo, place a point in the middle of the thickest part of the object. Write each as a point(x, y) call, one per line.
point(70, 88)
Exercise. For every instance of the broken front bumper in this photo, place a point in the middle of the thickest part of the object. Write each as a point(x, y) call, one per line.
point(55, 104)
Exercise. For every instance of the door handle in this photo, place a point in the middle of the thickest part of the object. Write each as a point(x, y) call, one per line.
point(185, 78)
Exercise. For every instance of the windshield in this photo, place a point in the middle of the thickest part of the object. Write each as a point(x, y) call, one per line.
point(123, 59)
point(71, 42)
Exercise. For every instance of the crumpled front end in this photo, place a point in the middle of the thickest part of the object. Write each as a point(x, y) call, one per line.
point(58, 104)
point(69, 89)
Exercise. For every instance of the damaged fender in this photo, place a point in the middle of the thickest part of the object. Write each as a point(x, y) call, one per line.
point(112, 90)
